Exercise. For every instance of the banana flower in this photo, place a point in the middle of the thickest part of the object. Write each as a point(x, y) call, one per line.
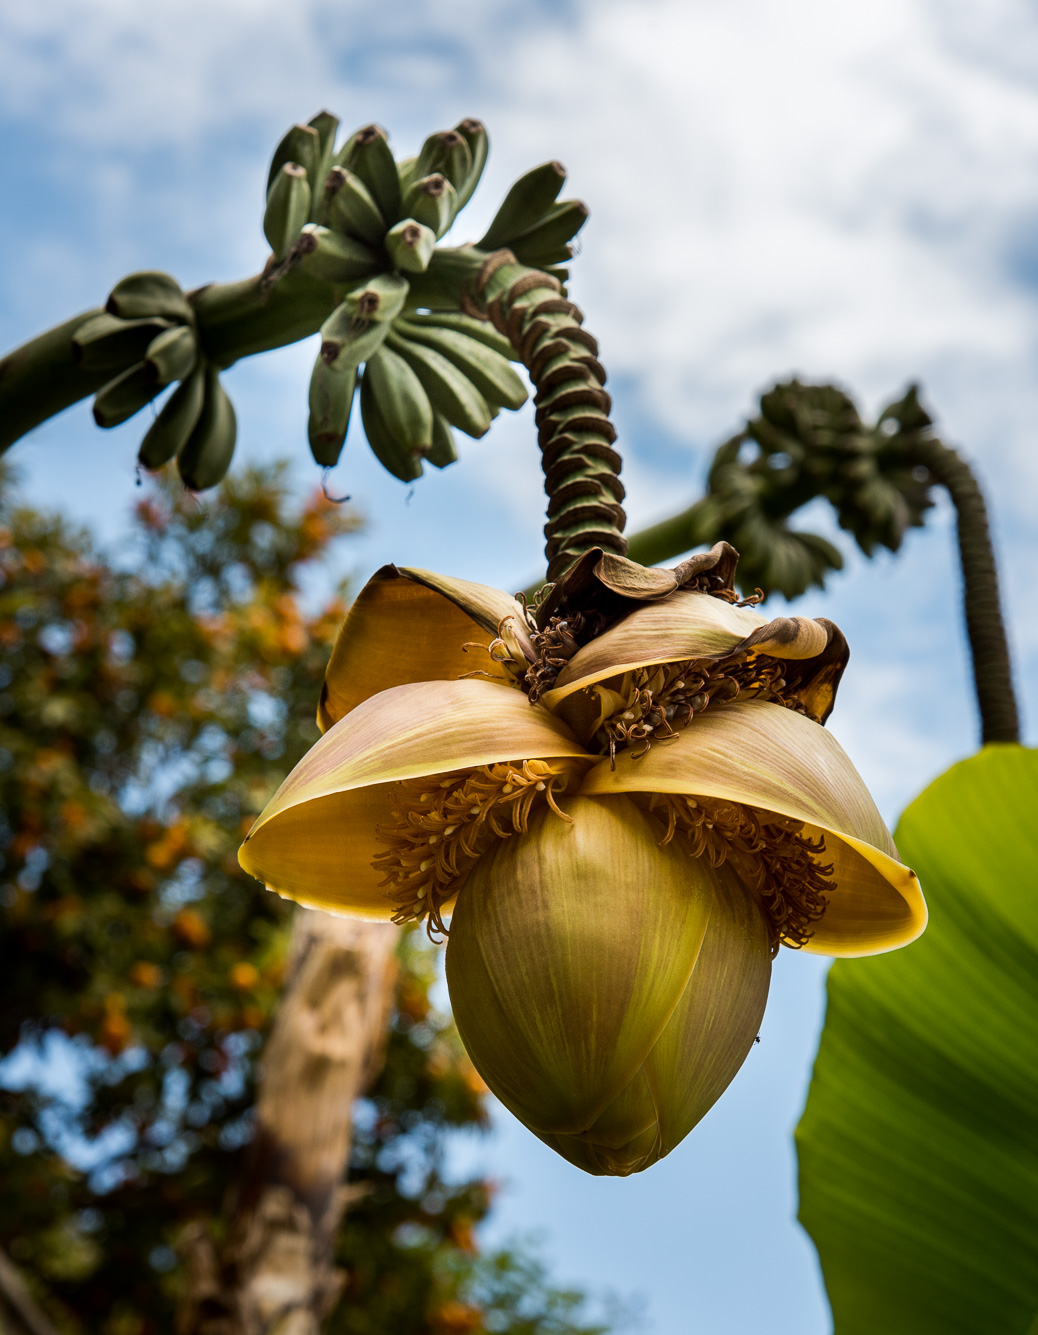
point(623, 804)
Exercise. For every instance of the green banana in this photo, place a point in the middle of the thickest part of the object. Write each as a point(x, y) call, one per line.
point(393, 456)
point(172, 355)
point(488, 370)
point(348, 207)
point(367, 153)
point(481, 330)
point(288, 207)
point(547, 259)
point(334, 258)
point(411, 245)
point(524, 205)
point(350, 338)
point(432, 200)
point(545, 242)
point(381, 298)
point(125, 395)
point(140, 296)
point(331, 400)
point(475, 135)
point(301, 145)
point(206, 454)
point(442, 451)
point(169, 432)
point(326, 125)
point(106, 343)
point(450, 391)
point(452, 273)
point(447, 153)
point(403, 404)
point(405, 169)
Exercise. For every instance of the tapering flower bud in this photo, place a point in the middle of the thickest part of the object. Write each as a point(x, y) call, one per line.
point(623, 806)
point(606, 987)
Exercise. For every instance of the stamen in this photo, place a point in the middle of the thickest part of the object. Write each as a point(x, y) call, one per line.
point(769, 853)
point(444, 824)
point(555, 646)
point(657, 700)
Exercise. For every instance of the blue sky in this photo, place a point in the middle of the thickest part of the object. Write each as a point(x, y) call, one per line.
point(828, 189)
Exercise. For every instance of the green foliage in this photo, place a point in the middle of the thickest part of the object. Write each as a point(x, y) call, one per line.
point(148, 709)
point(919, 1145)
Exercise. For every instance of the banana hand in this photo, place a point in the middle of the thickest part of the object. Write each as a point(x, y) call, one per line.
point(491, 373)
point(450, 391)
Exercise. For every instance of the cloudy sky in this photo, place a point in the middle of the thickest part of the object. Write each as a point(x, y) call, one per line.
point(834, 190)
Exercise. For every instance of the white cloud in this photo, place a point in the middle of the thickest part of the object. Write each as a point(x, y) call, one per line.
point(837, 189)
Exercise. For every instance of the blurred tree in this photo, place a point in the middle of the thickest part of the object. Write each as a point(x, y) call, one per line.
point(148, 708)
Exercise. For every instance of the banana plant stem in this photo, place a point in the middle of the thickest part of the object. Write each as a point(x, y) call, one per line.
point(669, 538)
point(240, 319)
point(41, 378)
point(985, 627)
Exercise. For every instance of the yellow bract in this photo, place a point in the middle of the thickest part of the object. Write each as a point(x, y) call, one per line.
point(607, 983)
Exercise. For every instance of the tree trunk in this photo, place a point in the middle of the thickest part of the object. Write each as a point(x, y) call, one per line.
point(19, 1313)
point(275, 1274)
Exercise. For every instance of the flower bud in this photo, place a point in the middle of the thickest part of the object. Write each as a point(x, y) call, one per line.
point(607, 988)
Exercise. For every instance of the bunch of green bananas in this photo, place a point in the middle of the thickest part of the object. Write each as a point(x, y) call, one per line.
point(353, 235)
point(357, 218)
point(808, 441)
point(147, 337)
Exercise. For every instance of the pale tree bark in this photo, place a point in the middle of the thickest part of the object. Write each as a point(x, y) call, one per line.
point(20, 1314)
point(275, 1273)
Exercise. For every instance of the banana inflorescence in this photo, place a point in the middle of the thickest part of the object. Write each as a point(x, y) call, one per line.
point(353, 234)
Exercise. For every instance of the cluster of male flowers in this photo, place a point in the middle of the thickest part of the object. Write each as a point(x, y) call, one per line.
point(624, 802)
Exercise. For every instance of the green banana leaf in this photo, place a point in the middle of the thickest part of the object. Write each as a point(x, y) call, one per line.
point(919, 1144)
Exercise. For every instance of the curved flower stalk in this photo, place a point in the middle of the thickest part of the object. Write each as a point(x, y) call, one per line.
point(623, 805)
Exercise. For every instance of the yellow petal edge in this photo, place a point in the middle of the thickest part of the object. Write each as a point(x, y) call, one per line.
point(407, 626)
point(315, 839)
point(770, 758)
